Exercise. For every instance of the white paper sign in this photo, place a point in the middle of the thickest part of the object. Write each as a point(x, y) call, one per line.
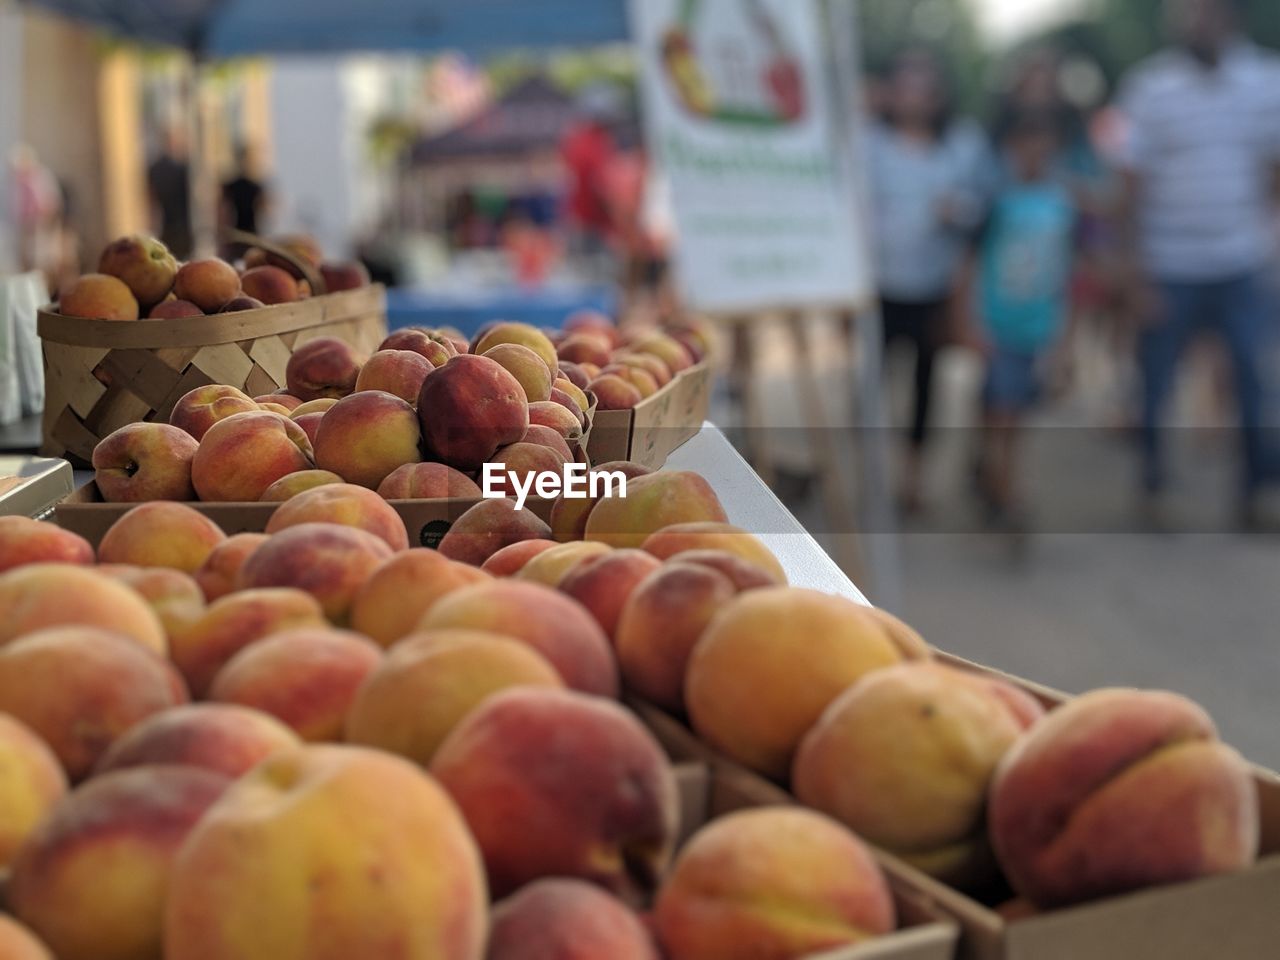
point(741, 120)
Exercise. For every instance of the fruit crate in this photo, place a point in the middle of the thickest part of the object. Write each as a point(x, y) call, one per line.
point(649, 432)
point(103, 374)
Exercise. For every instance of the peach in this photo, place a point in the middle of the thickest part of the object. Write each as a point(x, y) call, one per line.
point(697, 336)
point(24, 541)
point(92, 880)
point(435, 351)
point(552, 624)
point(1118, 790)
point(79, 688)
point(209, 284)
point(568, 920)
point(328, 853)
point(403, 590)
point(614, 393)
point(324, 367)
point(269, 284)
point(199, 409)
point(570, 403)
point(306, 678)
point(518, 333)
point(398, 372)
point(161, 534)
point(175, 597)
point(366, 436)
point(217, 575)
point(508, 561)
point(812, 886)
point(428, 683)
point(281, 397)
point(302, 246)
point(97, 296)
point(555, 783)
point(556, 416)
point(551, 567)
point(748, 693)
point(145, 461)
point(683, 537)
point(520, 464)
point(222, 738)
point(32, 785)
point(343, 275)
point(347, 505)
point(604, 583)
point(144, 264)
point(322, 405)
point(905, 758)
point(591, 321)
point(647, 362)
point(529, 369)
point(743, 574)
point(573, 373)
point(310, 424)
point(487, 527)
point(652, 502)
point(232, 623)
point(641, 379)
point(670, 351)
point(241, 302)
point(469, 408)
point(41, 595)
point(427, 481)
point(286, 488)
point(547, 437)
point(578, 397)
point(585, 348)
point(241, 456)
point(174, 310)
point(19, 943)
point(569, 515)
point(275, 408)
point(327, 560)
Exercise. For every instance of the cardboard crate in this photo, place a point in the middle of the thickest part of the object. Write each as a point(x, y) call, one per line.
point(658, 425)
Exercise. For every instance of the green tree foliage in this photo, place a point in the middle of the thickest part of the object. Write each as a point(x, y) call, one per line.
point(946, 26)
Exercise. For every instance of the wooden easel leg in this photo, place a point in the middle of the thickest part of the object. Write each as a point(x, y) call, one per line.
point(745, 376)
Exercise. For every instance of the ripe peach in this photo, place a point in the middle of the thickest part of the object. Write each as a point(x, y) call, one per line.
point(322, 405)
point(682, 537)
point(569, 920)
point(573, 373)
point(547, 437)
point(647, 362)
point(652, 502)
point(614, 393)
point(202, 407)
point(161, 534)
point(428, 683)
point(97, 296)
point(19, 943)
point(174, 310)
point(641, 379)
point(41, 595)
point(175, 597)
point(585, 348)
point(401, 591)
point(812, 886)
point(281, 397)
point(286, 488)
point(555, 626)
point(217, 575)
point(275, 408)
point(518, 333)
point(145, 461)
point(508, 561)
point(398, 372)
point(328, 853)
point(92, 880)
point(1118, 790)
point(555, 783)
point(437, 352)
point(469, 408)
point(209, 284)
point(343, 275)
point(241, 302)
point(604, 583)
point(487, 527)
point(24, 541)
point(427, 481)
point(246, 453)
point(569, 516)
point(570, 403)
point(32, 784)
point(670, 351)
point(550, 567)
point(556, 416)
point(79, 688)
point(521, 464)
point(366, 436)
point(578, 397)
point(347, 505)
point(747, 655)
point(144, 264)
point(324, 367)
point(302, 246)
point(232, 623)
point(269, 284)
point(529, 369)
point(222, 738)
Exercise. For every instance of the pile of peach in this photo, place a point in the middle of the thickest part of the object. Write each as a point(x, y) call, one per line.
point(138, 277)
point(416, 420)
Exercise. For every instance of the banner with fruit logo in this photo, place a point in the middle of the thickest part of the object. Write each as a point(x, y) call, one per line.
point(744, 123)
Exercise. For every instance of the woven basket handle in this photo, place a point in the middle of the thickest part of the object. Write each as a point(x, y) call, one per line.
point(309, 273)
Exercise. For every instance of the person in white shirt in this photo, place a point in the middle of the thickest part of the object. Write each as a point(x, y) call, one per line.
point(1201, 167)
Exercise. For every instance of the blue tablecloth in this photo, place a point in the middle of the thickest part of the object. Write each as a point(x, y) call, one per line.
point(407, 307)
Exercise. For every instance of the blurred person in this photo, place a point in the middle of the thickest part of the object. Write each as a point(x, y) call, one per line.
point(244, 200)
point(588, 149)
point(1201, 164)
point(36, 204)
point(169, 183)
point(926, 174)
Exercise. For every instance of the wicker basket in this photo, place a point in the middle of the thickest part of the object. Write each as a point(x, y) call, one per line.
point(101, 375)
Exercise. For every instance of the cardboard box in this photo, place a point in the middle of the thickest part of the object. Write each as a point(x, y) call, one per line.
point(658, 425)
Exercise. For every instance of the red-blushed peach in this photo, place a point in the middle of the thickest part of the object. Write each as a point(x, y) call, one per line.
point(232, 623)
point(322, 405)
point(670, 351)
point(399, 593)
point(327, 560)
point(682, 537)
point(328, 853)
point(175, 597)
point(508, 561)
point(42, 595)
point(578, 396)
point(604, 583)
point(97, 296)
point(145, 461)
point(591, 370)
point(614, 393)
point(436, 351)
point(905, 757)
point(468, 409)
point(487, 527)
point(209, 284)
point(288, 487)
point(223, 738)
point(430, 681)
point(324, 367)
point(347, 505)
point(519, 465)
point(585, 348)
point(247, 452)
point(241, 302)
point(573, 373)
point(569, 514)
point(281, 397)
point(19, 943)
point(547, 437)
point(174, 310)
point(161, 534)
point(143, 264)
point(269, 284)
point(518, 333)
point(638, 377)
point(743, 574)
point(306, 678)
point(310, 424)
point(592, 321)
point(568, 920)
point(1118, 790)
point(31, 785)
point(92, 879)
point(557, 627)
point(301, 246)
point(550, 567)
point(343, 275)
point(747, 692)
point(811, 886)
point(696, 335)
point(398, 372)
point(556, 783)
point(661, 623)
point(366, 436)
point(647, 362)
point(79, 688)
point(529, 369)
point(199, 409)
point(275, 408)
point(570, 404)
point(217, 575)
point(24, 541)
point(652, 502)
point(428, 481)
point(556, 416)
